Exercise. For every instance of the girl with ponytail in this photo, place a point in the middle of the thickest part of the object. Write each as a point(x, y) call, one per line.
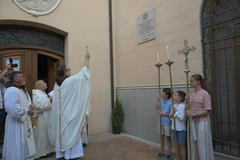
point(200, 107)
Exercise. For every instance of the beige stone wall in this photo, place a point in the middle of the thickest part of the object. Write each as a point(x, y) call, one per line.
point(176, 20)
point(86, 23)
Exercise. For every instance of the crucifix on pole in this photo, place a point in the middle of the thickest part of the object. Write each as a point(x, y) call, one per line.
point(185, 51)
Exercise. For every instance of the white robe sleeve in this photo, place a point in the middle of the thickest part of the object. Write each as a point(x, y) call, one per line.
point(180, 114)
point(41, 105)
point(12, 105)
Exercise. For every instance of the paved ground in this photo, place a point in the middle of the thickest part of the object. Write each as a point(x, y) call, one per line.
point(108, 146)
point(120, 148)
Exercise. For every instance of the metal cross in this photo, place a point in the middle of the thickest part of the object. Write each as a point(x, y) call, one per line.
point(185, 51)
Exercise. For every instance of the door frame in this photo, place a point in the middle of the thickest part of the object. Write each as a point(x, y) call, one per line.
point(29, 60)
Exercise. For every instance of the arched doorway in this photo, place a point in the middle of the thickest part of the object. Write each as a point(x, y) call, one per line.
point(34, 63)
point(38, 52)
point(221, 47)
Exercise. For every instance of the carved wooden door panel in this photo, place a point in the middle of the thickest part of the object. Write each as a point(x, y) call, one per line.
point(35, 65)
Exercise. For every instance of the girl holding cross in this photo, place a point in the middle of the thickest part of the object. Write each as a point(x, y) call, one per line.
point(200, 108)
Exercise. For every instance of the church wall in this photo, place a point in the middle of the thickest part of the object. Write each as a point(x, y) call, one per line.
point(139, 109)
point(86, 23)
point(175, 22)
point(137, 77)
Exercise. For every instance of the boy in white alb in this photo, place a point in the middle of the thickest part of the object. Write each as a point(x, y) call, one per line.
point(179, 113)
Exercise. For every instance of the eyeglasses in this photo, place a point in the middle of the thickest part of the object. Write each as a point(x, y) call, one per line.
point(20, 76)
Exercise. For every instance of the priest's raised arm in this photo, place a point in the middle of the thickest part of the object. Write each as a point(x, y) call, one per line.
point(71, 105)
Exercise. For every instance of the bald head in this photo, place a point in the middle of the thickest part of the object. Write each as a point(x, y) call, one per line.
point(41, 85)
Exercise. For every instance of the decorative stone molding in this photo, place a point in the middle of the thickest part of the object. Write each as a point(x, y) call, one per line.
point(37, 7)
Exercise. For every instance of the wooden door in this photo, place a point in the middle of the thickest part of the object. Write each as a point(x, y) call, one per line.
point(28, 61)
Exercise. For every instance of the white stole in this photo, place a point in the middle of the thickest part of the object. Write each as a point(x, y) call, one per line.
point(28, 125)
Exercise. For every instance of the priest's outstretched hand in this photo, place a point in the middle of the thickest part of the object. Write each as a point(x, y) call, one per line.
point(87, 57)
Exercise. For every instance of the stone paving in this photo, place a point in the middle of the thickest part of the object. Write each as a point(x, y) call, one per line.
point(107, 146)
point(121, 148)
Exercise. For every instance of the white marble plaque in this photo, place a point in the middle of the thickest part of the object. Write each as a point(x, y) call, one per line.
point(146, 26)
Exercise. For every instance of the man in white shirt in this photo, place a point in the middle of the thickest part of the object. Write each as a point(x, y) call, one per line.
point(2, 90)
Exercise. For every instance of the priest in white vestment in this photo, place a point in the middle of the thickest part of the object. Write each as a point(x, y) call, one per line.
point(43, 104)
point(70, 107)
point(18, 139)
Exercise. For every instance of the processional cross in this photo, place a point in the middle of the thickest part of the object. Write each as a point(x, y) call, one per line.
point(185, 51)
